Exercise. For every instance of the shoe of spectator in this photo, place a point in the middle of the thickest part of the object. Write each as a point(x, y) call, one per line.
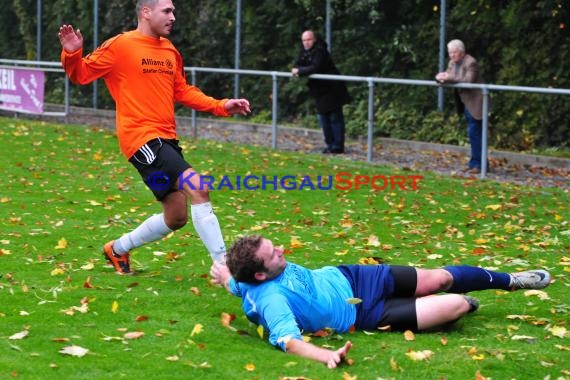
point(530, 279)
point(121, 264)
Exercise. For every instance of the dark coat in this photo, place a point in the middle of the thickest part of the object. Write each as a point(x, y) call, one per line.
point(328, 94)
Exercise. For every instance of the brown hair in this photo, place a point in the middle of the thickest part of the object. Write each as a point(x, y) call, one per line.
point(144, 3)
point(242, 261)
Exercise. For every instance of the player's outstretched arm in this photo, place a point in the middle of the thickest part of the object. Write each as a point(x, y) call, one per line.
point(70, 40)
point(307, 350)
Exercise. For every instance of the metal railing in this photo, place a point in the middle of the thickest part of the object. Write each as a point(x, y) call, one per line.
point(275, 75)
point(371, 82)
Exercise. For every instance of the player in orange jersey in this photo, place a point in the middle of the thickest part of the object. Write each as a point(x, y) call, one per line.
point(145, 76)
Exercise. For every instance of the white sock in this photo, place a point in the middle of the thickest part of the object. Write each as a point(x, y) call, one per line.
point(152, 229)
point(208, 228)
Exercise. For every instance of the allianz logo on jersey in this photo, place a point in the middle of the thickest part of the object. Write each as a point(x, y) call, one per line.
point(154, 62)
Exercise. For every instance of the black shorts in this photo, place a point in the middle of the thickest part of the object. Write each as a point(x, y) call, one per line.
point(160, 163)
point(400, 309)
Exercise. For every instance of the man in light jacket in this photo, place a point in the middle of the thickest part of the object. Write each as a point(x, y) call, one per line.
point(464, 68)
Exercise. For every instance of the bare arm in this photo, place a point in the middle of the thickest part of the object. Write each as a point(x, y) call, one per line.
point(307, 350)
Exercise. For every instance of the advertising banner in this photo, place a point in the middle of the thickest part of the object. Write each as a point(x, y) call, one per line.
point(22, 90)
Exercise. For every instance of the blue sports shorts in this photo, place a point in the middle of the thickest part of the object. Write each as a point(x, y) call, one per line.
point(387, 294)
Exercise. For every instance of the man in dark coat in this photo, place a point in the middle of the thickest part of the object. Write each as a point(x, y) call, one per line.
point(329, 95)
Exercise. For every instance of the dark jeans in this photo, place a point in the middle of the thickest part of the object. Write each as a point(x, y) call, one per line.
point(332, 124)
point(475, 133)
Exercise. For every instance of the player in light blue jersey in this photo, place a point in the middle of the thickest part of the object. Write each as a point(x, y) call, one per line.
point(288, 299)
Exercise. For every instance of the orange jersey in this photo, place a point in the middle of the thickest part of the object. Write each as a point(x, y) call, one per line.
point(145, 77)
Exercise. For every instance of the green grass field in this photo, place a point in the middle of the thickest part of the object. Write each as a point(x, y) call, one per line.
point(67, 190)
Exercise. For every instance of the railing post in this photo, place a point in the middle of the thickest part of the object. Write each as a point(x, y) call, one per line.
point(194, 122)
point(370, 119)
point(66, 96)
point(442, 52)
point(484, 134)
point(274, 109)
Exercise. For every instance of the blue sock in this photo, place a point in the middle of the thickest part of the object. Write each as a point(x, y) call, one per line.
point(468, 278)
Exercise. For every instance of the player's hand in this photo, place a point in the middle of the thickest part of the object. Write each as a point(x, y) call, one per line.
point(235, 106)
point(71, 40)
point(220, 274)
point(339, 355)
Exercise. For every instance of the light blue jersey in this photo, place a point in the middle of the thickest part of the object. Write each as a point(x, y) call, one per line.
point(298, 300)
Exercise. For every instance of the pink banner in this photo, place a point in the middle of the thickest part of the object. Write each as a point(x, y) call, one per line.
point(22, 90)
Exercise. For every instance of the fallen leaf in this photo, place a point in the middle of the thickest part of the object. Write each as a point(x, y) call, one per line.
point(115, 306)
point(419, 355)
point(558, 331)
point(19, 335)
point(198, 328)
point(88, 266)
point(353, 301)
point(84, 308)
point(57, 272)
point(478, 357)
point(74, 351)
point(479, 376)
point(523, 337)
point(250, 367)
point(524, 317)
point(60, 340)
point(196, 291)
point(61, 244)
point(321, 333)
point(201, 365)
point(409, 335)
point(133, 335)
point(373, 241)
point(296, 243)
point(347, 376)
point(227, 319)
point(478, 251)
point(394, 365)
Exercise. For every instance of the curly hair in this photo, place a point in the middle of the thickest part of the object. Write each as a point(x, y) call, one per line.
point(242, 261)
